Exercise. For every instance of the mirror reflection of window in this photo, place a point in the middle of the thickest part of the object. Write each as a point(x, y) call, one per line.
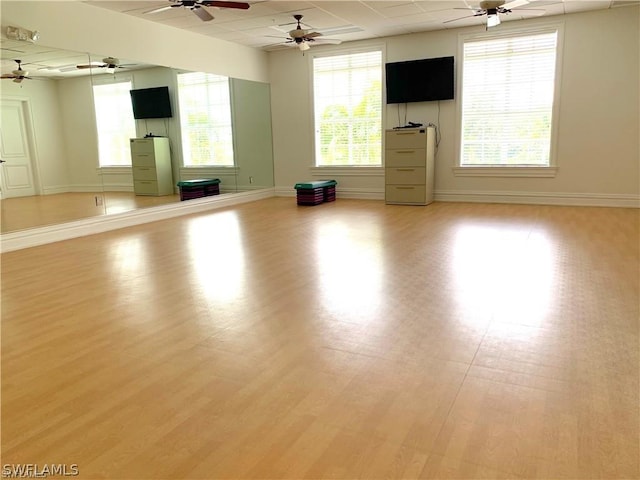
point(205, 119)
point(115, 123)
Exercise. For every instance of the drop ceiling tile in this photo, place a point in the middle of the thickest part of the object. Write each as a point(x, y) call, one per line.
point(435, 6)
point(396, 9)
point(576, 6)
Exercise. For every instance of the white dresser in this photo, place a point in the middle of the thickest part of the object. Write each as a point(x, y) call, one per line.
point(409, 166)
point(151, 166)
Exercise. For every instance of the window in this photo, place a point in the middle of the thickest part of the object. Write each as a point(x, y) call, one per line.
point(115, 123)
point(205, 119)
point(347, 96)
point(507, 100)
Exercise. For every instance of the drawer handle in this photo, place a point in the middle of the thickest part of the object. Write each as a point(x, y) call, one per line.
point(143, 169)
point(405, 188)
point(405, 169)
point(405, 133)
point(142, 181)
point(405, 151)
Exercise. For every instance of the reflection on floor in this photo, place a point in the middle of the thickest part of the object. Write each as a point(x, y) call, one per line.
point(347, 340)
point(28, 212)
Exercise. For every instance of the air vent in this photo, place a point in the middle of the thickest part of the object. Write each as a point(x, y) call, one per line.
point(341, 30)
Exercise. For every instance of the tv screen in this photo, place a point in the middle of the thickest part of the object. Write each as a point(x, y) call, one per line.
point(420, 80)
point(151, 103)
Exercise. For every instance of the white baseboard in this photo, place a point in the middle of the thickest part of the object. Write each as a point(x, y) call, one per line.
point(533, 198)
point(55, 189)
point(355, 193)
point(124, 187)
point(91, 188)
point(541, 198)
point(114, 187)
point(54, 233)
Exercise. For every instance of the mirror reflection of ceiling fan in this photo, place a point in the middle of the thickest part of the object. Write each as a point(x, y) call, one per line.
point(110, 63)
point(494, 8)
point(196, 7)
point(18, 74)
point(301, 37)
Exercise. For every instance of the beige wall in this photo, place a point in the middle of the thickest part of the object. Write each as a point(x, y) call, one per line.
point(598, 143)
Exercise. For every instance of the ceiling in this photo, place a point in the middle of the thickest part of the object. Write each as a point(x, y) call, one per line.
point(266, 24)
point(46, 62)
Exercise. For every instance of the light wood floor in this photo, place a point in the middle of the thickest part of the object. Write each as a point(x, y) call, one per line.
point(40, 210)
point(346, 340)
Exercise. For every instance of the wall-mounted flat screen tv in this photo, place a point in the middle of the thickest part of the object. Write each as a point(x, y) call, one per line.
point(422, 80)
point(151, 103)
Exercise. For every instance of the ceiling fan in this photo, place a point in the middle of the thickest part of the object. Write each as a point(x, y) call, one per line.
point(196, 7)
point(18, 74)
point(301, 37)
point(110, 63)
point(493, 8)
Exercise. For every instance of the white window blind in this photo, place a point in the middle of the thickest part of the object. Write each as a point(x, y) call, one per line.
point(205, 119)
point(347, 95)
point(507, 100)
point(115, 123)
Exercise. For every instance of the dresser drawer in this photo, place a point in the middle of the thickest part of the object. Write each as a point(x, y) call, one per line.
point(143, 160)
point(406, 175)
point(406, 139)
point(406, 157)
point(411, 194)
point(144, 173)
point(142, 145)
point(145, 187)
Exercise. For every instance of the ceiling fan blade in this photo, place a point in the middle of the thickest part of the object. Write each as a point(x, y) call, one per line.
point(460, 18)
point(89, 66)
point(215, 3)
point(515, 4)
point(529, 11)
point(8, 76)
point(18, 80)
point(313, 35)
point(161, 9)
point(202, 14)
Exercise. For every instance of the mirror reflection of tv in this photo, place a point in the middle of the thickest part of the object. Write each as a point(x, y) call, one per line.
point(422, 80)
point(151, 103)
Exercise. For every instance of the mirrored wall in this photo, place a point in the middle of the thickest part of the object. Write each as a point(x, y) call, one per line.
point(61, 138)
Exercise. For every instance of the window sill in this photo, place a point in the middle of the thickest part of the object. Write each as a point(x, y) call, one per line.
point(114, 170)
point(336, 171)
point(540, 172)
point(209, 170)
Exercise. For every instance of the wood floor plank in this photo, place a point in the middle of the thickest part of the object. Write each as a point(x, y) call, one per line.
point(347, 340)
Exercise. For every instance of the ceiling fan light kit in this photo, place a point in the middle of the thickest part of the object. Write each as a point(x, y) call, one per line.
point(302, 37)
point(17, 75)
point(493, 9)
point(493, 19)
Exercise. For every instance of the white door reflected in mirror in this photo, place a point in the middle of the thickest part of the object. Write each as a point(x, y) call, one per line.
point(16, 174)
